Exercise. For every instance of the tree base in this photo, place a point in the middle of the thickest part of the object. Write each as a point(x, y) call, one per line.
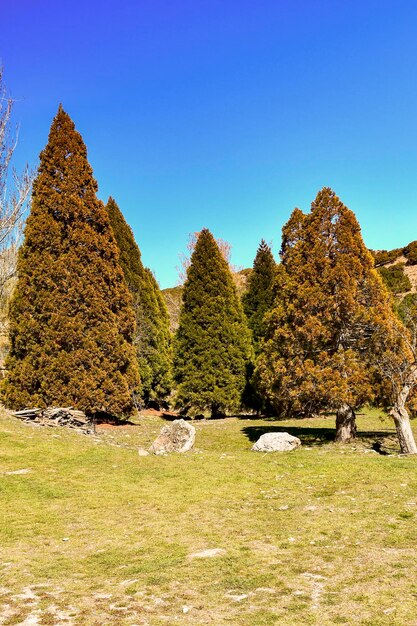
point(345, 424)
point(404, 432)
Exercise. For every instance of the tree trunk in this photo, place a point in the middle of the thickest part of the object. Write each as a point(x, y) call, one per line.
point(401, 419)
point(345, 424)
point(215, 410)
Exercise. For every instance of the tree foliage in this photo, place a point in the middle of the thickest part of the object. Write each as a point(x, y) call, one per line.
point(410, 252)
point(322, 324)
point(382, 257)
point(185, 258)
point(395, 362)
point(71, 316)
point(395, 278)
point(257, 301)
point(152, 336)
point(212, 345)
point(259, 295)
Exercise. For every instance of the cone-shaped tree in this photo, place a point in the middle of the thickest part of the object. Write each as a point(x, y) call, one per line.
point(212, 345)
point(71, 317)
point(152, 337)
point(322, 325)
point(259, 296)
point(257, 301)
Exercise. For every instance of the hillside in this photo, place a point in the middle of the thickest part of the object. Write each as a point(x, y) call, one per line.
point(398, 268)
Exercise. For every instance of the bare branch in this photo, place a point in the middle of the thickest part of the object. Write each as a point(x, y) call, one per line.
point(15, 192)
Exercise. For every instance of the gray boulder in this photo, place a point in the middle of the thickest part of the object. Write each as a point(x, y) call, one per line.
point(276, 442)
point(176, 437)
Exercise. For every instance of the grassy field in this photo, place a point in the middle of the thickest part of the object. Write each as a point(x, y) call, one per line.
point(92, 533)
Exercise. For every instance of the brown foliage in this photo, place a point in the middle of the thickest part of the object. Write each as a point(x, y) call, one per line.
point(322, 325)
point(72, 320)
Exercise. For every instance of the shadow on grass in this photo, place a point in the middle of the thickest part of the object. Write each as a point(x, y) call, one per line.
point(310, 436)
point(170, 417)
point(110, 420)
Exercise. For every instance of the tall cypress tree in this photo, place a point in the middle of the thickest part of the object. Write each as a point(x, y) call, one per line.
point(257, 301)
point(322, 324)
point(71, 316)
point(152, 336)
point(259, 296)
point(212, 345)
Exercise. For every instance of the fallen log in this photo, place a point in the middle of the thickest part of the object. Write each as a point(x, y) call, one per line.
point(27, 412)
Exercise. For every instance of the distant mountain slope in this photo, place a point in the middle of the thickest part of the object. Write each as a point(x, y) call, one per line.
point(398, 268)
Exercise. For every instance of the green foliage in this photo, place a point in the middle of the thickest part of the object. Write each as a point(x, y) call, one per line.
point(257, 301)
point(259, 295)
point(395, 278)
point(321, 325)
point(212, 345)
point(382, 257)
point(71, 316)
point(152, 337)
point(410, 252)
point(407, 309)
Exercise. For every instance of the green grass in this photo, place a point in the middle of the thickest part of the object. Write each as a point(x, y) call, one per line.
point(322, 535)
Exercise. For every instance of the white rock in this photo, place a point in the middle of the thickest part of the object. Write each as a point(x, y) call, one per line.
point(177, 437)
point(276, 442)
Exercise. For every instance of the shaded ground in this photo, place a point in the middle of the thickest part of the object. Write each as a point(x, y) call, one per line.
point(93, 534)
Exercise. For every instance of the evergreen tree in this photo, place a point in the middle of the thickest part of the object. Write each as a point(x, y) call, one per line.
point(152, 337)
point(259, 296)
point(321, 327)
point(212, 345)
point(257, 301)
point(71, 316)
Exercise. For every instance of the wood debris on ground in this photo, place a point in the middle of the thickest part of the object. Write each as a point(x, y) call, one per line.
point(57, 416)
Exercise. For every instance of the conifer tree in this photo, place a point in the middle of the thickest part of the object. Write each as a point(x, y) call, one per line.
point(212, 345)
point(152, 336)
point(321, 327)
point(71, 316)
point(257, 301)
point(259, 296)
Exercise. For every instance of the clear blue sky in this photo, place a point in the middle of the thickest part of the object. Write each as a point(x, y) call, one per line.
point(226, 113)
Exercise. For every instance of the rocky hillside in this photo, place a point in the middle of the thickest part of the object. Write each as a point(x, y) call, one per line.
point(398, 268)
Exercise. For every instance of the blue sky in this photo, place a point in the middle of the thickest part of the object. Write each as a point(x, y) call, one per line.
point(226, 113)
